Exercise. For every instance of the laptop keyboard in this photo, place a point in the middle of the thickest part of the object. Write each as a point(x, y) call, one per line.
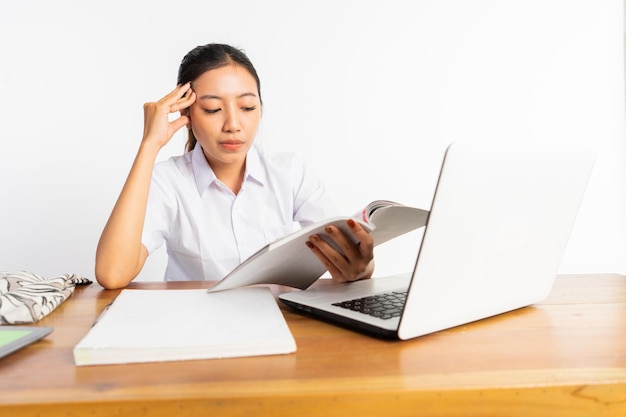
point(385, 306)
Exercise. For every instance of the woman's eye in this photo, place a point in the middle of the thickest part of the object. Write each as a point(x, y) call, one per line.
point(251, 108)
point(211, 111)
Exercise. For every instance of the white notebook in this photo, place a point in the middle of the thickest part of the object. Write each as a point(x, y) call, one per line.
point(173, 325)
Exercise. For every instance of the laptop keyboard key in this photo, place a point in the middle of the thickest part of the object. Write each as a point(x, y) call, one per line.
point(385, 306)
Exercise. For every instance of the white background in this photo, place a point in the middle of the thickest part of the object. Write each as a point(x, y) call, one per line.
point(369, 92)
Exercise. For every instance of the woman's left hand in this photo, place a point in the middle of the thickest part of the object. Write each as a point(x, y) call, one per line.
point(357, 260)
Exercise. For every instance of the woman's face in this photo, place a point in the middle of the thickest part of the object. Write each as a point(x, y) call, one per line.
point(226, 114)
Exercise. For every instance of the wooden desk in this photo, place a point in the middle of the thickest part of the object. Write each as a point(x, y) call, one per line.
point(566, 356)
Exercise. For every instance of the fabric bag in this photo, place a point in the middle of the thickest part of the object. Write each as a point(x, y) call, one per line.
point(26, 297)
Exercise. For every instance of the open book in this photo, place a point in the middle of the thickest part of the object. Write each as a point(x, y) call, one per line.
point(288, 261)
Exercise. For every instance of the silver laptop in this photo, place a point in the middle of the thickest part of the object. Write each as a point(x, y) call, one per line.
point(498, 227)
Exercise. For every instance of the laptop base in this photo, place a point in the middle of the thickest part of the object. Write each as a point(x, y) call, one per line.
point(342, 321)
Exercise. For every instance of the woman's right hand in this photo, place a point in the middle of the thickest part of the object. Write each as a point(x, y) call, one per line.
point(158, 129)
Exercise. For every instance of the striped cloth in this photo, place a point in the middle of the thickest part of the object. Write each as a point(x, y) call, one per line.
point(26, 297)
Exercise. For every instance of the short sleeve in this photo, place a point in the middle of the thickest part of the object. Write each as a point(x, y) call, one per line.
point(311, 200)
point(159, 211)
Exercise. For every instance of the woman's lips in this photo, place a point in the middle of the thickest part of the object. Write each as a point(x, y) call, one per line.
point(232, 145)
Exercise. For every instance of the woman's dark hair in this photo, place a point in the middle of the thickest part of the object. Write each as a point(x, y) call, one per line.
point(207, 57)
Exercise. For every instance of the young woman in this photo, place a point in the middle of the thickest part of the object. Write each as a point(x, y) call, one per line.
point(223, 199)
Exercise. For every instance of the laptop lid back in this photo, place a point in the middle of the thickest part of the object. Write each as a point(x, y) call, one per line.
point(498, 228)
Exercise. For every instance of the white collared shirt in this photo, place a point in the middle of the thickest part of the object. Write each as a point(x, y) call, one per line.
point(208, 230)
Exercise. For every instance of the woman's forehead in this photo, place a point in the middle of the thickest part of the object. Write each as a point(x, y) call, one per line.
point(231, 80)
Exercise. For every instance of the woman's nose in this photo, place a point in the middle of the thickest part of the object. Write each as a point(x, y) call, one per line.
point(231, 123)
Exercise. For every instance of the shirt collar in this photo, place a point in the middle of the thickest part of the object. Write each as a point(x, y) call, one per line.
point(254, 167)
point(204, 175)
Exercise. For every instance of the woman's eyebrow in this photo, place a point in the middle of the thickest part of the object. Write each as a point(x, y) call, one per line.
point(215, 97)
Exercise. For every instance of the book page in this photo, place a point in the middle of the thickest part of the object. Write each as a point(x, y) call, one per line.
point(288, 261)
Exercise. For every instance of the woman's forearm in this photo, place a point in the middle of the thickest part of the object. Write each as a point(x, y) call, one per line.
point(120, 254)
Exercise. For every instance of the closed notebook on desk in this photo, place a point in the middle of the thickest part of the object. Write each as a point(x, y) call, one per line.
point(173, 325)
